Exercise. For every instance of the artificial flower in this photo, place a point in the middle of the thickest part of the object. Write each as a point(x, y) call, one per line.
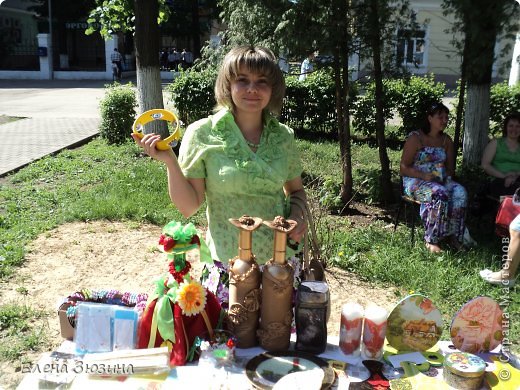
point(211, 283)
point(223, 293)
point(191, 297)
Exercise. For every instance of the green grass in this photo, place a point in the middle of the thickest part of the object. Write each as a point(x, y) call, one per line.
point(18, 331)
point(98, 181)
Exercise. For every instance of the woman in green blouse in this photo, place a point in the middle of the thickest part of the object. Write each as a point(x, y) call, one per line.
point(501, 158)
point(240, 160)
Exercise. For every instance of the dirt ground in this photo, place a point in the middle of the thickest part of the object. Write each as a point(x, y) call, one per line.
point(123, 256)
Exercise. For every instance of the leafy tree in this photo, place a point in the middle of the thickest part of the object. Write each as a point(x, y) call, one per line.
point(142, 17)
point(376, 22)
point(480, 22)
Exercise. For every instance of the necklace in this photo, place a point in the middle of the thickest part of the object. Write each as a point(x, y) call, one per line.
point(252, 145)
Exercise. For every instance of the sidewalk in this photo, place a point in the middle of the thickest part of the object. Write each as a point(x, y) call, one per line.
point(26, 140)
point(58, 114)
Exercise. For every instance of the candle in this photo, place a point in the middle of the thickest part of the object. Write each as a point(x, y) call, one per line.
point(350, 328)
point(374, 331)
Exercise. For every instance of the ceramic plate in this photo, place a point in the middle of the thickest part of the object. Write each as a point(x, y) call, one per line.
point(477, 327)
point(415, 324)
point(266, 369)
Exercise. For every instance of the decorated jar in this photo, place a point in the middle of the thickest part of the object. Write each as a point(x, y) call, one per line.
point(463, 370)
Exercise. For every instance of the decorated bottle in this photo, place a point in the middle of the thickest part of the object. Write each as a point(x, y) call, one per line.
point(277, 289)
point(244, 285)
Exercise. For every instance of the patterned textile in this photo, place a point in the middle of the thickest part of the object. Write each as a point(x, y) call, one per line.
point(443, 202)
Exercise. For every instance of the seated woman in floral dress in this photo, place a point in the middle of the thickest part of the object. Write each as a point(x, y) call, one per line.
point(427, 167)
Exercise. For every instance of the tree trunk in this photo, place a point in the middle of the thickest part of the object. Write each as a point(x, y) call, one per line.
point(195, 27)
point(149, 89)
point(459, 114)
point(479, 56)
point(460, 104)
point(386, 175)
point(342, 107)
point(476, 123)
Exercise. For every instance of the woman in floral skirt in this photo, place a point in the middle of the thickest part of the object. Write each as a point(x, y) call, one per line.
point(427, 167)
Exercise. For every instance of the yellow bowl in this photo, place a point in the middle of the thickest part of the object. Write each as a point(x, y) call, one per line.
point(154, 115)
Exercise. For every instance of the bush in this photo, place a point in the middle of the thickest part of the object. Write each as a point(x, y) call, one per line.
point(192, 94)
point(311, 103)
point(117, 113)
point(364, 108)
point(409, 97)
point(413, 97)
point(502, 101)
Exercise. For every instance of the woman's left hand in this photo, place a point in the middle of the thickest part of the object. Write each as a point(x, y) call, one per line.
point(300, 229)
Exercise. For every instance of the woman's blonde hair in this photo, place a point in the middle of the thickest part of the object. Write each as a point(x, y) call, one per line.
point(256, 59)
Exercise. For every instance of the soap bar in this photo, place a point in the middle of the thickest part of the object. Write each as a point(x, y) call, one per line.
point(93, 328)
point(125, 328)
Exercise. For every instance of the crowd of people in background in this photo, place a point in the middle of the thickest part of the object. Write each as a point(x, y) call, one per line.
point(172, 59)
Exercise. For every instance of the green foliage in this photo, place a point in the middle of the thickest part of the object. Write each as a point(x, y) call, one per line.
point(192, 94)
point(115, 16)
point(310, 103)
point(364, 108)
point(410, 98)
point(117, 113)
point(329, 195)
point(414, 96)
point(480, 22)
point(503, 100)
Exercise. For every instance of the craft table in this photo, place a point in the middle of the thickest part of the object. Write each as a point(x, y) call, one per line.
point(194, 376)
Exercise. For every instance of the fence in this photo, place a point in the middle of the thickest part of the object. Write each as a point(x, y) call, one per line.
point(18, 57)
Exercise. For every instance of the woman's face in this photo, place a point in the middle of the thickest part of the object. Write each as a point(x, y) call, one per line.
point(513, 129)
point(250, 92)
point(438, 121)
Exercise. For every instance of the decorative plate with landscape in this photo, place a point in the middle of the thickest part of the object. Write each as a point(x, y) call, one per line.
point(477, 327)
point(415, 324)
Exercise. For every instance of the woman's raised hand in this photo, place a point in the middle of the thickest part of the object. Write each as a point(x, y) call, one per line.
point(148, 143)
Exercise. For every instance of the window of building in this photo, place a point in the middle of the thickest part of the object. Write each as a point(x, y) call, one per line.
point(411, 48)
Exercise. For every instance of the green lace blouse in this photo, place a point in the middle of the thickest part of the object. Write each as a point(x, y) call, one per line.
point(238, 180)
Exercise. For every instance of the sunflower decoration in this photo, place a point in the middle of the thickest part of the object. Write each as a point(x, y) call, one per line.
point(191, 297)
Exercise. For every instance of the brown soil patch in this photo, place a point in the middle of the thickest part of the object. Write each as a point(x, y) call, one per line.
point(123, 256)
